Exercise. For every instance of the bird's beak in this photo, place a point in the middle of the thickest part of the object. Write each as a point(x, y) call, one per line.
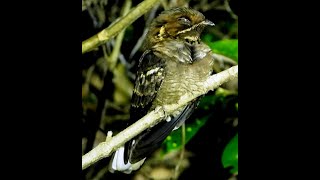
point(208, 23)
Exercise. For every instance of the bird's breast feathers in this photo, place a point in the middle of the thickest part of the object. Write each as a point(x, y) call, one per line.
point(185, 70)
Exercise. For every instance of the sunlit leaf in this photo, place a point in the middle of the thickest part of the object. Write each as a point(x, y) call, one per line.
point(226, 47)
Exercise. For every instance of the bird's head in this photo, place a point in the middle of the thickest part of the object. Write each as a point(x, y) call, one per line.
point(177, 23)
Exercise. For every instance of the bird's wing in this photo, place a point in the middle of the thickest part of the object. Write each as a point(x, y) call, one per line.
point(148, 81)
point(149, 78)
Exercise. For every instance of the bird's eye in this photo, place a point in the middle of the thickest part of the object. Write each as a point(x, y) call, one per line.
point(185, 21)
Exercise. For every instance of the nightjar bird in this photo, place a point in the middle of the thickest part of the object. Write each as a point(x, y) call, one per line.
point(174, 62)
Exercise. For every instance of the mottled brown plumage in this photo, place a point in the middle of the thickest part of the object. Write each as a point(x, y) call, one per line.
point(173, 64)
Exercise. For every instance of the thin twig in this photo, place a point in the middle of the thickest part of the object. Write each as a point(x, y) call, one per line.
point(165, 4)
point(124, 61)
point(105, 149)
point(227, 6)
point(105, 54)
point(117, 27)
point(111, 61)
point(224, 59)
point(145, 31)
point(218, 33)
point(116, 49)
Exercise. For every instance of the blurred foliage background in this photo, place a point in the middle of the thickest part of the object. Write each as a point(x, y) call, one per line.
point(108, 73)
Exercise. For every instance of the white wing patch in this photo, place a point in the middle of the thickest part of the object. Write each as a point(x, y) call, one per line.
point(152, 71)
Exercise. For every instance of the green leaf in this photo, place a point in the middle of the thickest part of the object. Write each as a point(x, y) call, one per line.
point(173, 141)
point(226, 47)
point(230, 155)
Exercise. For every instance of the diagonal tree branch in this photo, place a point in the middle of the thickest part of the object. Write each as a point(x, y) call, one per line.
point(111, 31)
point(105, 149)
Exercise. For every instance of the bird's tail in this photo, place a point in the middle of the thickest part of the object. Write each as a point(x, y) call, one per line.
point(117, 163)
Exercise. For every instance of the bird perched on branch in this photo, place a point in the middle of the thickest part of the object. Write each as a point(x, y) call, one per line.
point(175, 61)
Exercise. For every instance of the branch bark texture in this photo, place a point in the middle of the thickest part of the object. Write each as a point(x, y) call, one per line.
point(105, 149)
